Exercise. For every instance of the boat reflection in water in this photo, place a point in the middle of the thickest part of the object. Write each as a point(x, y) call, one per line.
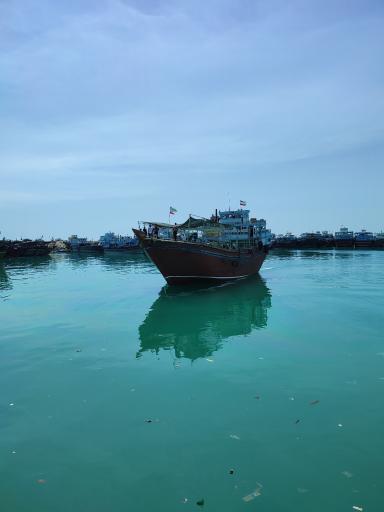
point(195, 322)
point(19, 269)
point(5, 283)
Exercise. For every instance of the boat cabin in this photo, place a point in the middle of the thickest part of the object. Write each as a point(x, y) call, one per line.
point(229, 228)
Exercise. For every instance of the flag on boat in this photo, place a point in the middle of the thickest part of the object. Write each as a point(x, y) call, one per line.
point(172, 210)
point(243, 203)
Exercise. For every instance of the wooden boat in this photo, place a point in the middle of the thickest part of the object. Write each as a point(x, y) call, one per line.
point(17, 248)
point(223, 248)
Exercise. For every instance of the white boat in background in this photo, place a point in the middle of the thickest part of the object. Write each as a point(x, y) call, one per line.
point(112, 243)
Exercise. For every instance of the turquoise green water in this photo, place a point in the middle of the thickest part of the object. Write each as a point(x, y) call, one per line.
point(91, 349)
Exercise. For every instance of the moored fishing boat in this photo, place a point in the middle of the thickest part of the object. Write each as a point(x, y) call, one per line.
point(344, 238)
point(287, 241)
point(225, 247)
point(83, 245)
point(118, 244)
point(364, 239)
point(3, 249)
point(378, 241)
point(26, 247)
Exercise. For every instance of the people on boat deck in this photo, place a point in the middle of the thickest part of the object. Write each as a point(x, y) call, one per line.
point(155, 231)
point(150, 230)
point(145, 231)
point(174, 232)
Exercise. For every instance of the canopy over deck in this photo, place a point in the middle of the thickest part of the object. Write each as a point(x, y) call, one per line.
point(194, 223)
point(190, 223)
point(159, 224)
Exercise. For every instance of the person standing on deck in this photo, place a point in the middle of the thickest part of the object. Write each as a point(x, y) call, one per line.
point(174, 232)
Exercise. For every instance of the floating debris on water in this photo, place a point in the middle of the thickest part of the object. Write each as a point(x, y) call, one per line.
point(234, 436)
point(302, 490)
point(314, 402)
point(209, 360)
point(251, 496)
point(11, 404)
point(257, 397)
point(355, 507)
point(348, 474)
point(184, 500)
point(291, 398)
point(297, 421)
point(200, 503)
point(339, 424)
point(231, 471)
point(41, 481)
point(78, 350)
point(148, 421)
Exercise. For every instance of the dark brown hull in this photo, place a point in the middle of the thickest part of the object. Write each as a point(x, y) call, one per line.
point(185, 262)
point(364, 244)
point(378, 243)
point(123, 249)
point(15, 249)
point(89, 248)
point(347, 243)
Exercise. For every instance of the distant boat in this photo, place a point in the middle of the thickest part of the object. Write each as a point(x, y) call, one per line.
point(364, 239)
point(112, 243)
point(225, 247)
point(78, 244)
point(344, 238)
point(287, 241)
point(379, 240)
point(315, 240)
point(3, 249)
point(26, 247)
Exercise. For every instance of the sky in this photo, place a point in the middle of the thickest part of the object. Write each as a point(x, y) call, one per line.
point(111, 111)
